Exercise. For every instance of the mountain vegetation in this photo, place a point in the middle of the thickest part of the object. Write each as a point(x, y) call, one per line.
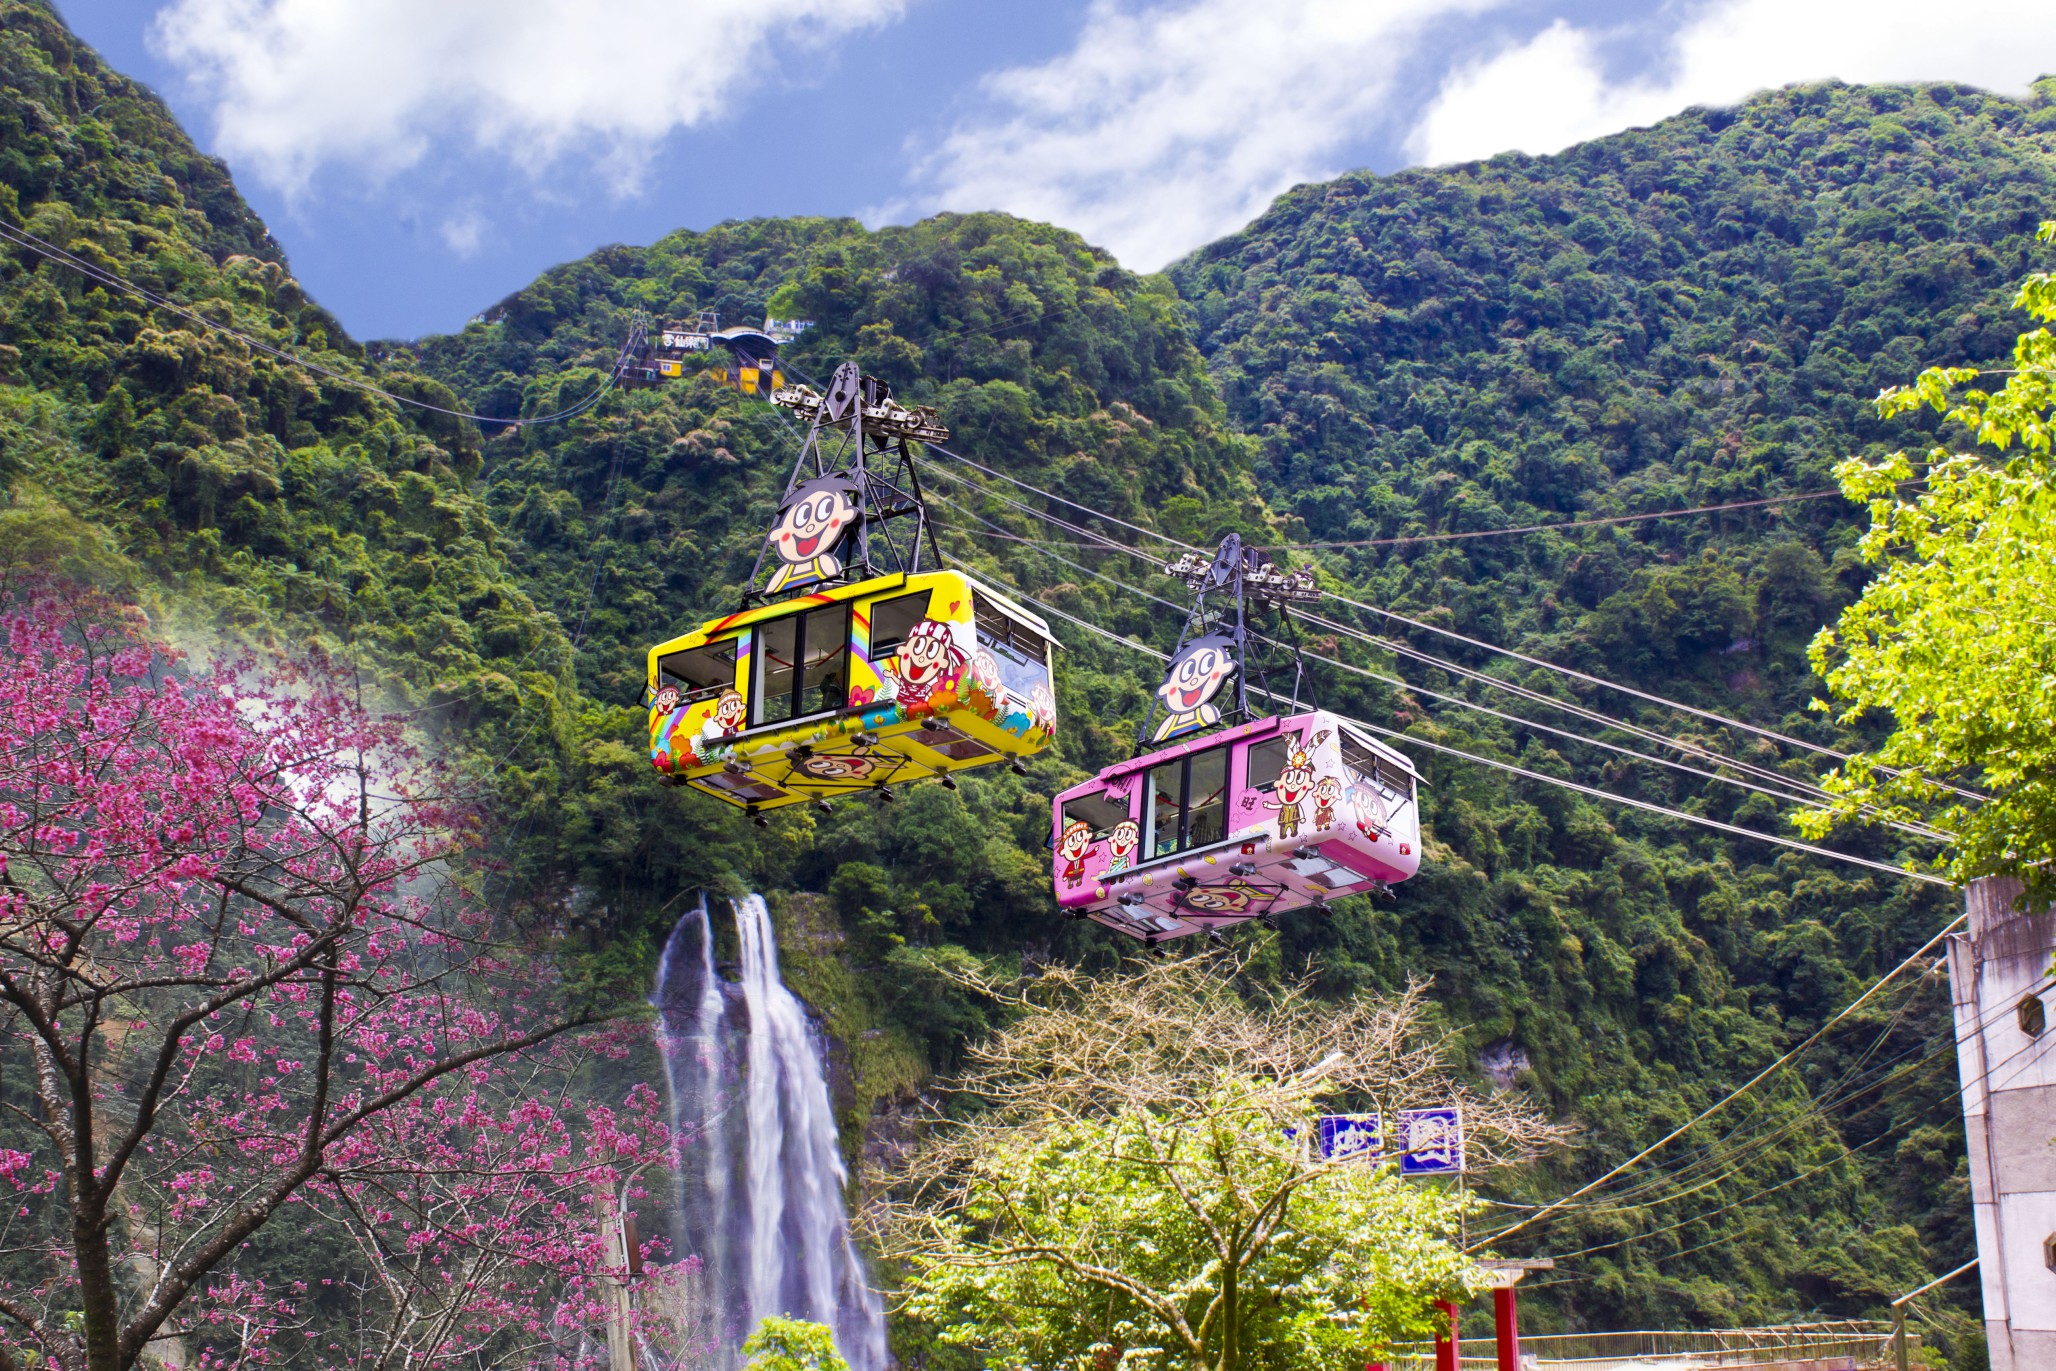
point(1692, 314)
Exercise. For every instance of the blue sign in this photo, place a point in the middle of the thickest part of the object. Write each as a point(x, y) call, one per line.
point(1431, 1142)
point(1349, 1135)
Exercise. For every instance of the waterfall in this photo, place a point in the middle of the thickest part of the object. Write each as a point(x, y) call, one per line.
point(761, 1176)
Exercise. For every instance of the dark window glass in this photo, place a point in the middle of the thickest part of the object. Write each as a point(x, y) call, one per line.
point(1166, 806)
point(1267, 760)
point(999, 631)
point(701, 673)
point(826, 682)
point(893, 620)
point(801, 665)
point(1097, 811)
point(1369, 766)
point(1206, 789)
point(777, 657)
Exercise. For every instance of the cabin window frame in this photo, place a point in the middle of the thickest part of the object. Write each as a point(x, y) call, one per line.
point(1185, 764)
point(802, 623)
point(688, 693)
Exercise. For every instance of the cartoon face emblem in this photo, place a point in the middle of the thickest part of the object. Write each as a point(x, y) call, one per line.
point(985, 667)
point(1295, 780)
point(824, 767)
point(928, 658)
point(665, 700)
point(1222, 899)
point(1121, 844)
point(809, 526)
point(1190, 684)
point(728, 713)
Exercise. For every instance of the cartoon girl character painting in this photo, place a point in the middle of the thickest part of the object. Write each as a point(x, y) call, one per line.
point(1073, 848)
point(665, 700)
point(1371, 815)
point(1121, 845)
point(1294, 782)
point(927, 660)
point(1190, 684)
point(1327, 791)
point(809, 528)
point(985, 670)
point(726, 720)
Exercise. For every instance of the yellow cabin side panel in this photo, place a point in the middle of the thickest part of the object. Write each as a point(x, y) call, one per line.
point(940, 703)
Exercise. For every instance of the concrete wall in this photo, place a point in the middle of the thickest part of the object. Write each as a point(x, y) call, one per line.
point(2009, 1116)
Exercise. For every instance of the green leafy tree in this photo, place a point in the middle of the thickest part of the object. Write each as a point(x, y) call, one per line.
point(1145, 1181)
point(1956, 637)
point(791, 1345)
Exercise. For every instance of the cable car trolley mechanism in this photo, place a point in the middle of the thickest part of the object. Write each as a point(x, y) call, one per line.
point(856, 662)
point(1234, 815)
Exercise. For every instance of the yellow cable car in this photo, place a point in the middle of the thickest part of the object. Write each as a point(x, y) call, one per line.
point(852, 688)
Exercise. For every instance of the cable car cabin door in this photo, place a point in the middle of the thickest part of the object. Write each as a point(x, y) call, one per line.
point(849, 689)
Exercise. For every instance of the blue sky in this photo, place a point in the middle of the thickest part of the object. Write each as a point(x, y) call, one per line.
point(421, 159)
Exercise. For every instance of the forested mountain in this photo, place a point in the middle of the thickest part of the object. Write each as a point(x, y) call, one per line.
point(1691, 314)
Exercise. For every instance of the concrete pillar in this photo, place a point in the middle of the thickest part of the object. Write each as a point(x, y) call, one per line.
point(2005, 1009)
point(1506, 1324)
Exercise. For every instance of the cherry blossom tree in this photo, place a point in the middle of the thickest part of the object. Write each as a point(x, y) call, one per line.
point(241, 985)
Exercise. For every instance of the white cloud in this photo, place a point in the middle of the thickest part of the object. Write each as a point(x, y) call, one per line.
point(463, 233)
point(298, 84)
point(1545, 94)
point(1165, 127)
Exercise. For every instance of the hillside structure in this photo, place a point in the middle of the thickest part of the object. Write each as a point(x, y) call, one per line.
point(2000, 984)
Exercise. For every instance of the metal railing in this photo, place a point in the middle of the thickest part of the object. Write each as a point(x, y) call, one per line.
point(1855, 1344)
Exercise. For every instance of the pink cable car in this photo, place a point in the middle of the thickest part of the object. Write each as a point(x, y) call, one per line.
point(1264, 816)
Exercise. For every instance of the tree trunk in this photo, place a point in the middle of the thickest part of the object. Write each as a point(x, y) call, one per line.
point(102, 1304)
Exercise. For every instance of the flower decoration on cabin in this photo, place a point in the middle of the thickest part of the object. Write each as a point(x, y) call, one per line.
point(809, 528)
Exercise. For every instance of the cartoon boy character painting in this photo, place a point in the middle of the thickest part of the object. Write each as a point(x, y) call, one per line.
point(1327, 791)
point(665, 700)
point(1190, 684)
point(1294, 783)
point(1043, 706)
point(927, 660)
point(726, 720)
point(823, 766)
point(809, 528)
point(1234, 898)
point(1121, 845)
point(1073, 848)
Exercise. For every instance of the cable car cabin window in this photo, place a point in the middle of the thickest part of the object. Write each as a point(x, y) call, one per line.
point(802, 663)
point(1020, 651)
point(1188, 802)
point(701, 673)
point(892, 620)
point(1267, 760)
point(1097, 812)
point(1367, 767)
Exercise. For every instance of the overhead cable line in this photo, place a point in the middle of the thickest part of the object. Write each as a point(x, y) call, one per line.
point(1748, 1085)
point(1631, 801)
point(1421, 625)
point(1401, 540)
point(1717, 759)
point(21, 238)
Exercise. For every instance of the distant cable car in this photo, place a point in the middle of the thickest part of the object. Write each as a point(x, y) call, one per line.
point(881, 671)
point(1265, 816)
point(679, 350)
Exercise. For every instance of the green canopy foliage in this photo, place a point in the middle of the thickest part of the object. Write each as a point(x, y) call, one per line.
point(1682, 315)
point(1954, 641)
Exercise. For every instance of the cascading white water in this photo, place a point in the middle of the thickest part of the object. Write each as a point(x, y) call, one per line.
point(761, 1198)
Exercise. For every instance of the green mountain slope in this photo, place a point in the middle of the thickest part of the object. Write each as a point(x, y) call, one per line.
point(1691, 314)
point(1683, 315)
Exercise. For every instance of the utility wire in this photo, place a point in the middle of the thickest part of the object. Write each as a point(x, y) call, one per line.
point(1595, 522)
point(21, 238)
